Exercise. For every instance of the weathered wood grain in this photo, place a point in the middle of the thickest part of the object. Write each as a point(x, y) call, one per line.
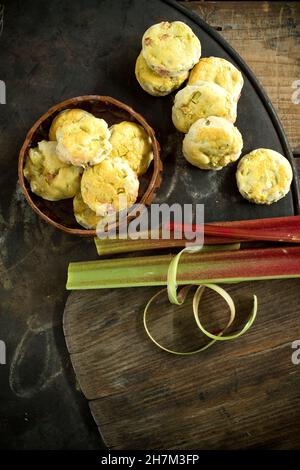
point(267, 36)
point(239, 394)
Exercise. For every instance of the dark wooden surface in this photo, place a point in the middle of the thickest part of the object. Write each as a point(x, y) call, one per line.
point(242, 394)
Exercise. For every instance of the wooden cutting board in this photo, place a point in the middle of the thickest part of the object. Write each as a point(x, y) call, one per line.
point(242, 394)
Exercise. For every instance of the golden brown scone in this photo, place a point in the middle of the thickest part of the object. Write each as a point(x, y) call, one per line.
point(131, 142)
point(200, 101)
point(219, 71)
point(154, 84)
point(170, 48)
point(264, 176)
point(83, 142)
point(212, 143)
point(66, 116)
point(48, 176)
point(83, 214)
point(109, 186)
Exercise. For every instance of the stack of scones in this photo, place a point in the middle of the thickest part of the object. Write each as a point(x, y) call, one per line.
point(206, 110)
point(169, 52)
point(97, 166)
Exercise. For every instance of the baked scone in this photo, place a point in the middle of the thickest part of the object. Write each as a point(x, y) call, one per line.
point(264, 176)
point(131, 142)
point(83, 142)
point(83, 214)
point(212, 143)
point(64, 117)
point(109, 186)
point(48, 176)
point(200, 101)
point(219, 71)
point(170, 48)
point(154, 84)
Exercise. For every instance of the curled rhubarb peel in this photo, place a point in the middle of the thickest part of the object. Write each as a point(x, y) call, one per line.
point(161, 346)
point(228, 299)
point(178, 298)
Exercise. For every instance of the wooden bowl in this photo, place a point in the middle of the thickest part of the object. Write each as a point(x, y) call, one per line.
point(60, 213)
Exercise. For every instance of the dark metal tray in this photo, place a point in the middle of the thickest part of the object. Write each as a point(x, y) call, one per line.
point(102, 62)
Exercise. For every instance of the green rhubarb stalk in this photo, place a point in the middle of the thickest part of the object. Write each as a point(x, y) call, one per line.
point(194, 268)
point(109, 246)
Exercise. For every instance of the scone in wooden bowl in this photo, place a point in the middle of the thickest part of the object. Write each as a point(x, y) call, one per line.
point(60, 213)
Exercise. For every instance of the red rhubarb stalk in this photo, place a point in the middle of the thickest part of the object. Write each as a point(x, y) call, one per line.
point(280, 229)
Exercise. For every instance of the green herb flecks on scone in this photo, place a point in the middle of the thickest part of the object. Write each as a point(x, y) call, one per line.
point(170, 48)
point(49, 177)
point(212, 143)
point(155, 84)
point(264, 176)
point(202, 100)
point(219, 71)
point(130, 142)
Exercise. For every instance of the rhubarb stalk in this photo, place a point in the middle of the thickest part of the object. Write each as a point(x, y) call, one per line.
point(115, 246)
point(279, 229)
point(197, 268)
